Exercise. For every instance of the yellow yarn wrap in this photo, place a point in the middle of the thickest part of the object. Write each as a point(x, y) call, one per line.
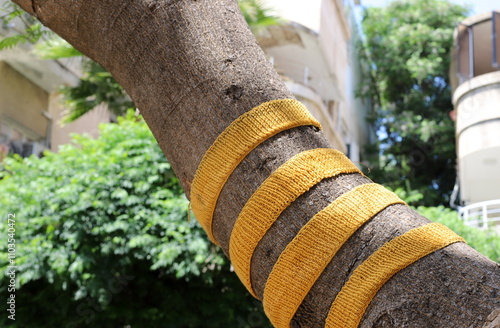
point(305, 258)
point(233, 144)
point(351, 302)
point(276, 193)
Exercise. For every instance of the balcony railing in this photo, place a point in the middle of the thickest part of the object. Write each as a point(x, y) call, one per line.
point(482, 215)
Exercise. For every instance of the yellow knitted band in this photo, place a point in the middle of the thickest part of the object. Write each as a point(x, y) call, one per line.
point(352, 301)
point(276, 193)
point(232, 145)
point(305, 258)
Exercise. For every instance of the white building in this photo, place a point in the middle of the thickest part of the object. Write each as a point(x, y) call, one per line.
point(30, 106)
point(314, 51)
point(475, 77)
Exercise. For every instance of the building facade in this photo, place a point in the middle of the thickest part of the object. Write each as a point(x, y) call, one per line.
point(30, 105)
point(314, 52)
point(475, 77)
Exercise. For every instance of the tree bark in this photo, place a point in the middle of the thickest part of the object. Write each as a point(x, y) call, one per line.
point(192, 67)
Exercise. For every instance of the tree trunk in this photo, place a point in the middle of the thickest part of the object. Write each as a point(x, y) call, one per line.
point(192, 67)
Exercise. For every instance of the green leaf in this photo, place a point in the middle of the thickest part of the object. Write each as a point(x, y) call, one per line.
point(56, 48)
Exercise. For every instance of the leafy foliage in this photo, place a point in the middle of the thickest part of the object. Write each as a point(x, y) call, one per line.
point(56, 48)
point(32, 33)
point(103, 240)
point(33, 30)
point(96, 86)
point(410, 42)
point(257, 15)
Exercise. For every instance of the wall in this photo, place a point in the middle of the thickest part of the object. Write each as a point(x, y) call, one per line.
point(22, 104)
point(88, 124)
point(478, 137)
point(334, 35)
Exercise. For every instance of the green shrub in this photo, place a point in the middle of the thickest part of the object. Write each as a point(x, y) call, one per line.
point(103, 240)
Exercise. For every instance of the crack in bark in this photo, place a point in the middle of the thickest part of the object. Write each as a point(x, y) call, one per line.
point(35, 7)
point(235, 92)
point(385, 320)
point(170, 2)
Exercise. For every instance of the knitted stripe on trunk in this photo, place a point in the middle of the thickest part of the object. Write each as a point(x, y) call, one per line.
point(308, 254)
point(351, 302)
point(232, 145)
point(274, 195)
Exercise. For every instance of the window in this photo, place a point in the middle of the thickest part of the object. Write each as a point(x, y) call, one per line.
point(478, 47)
point(332, 109)
point(464, 52)
point(17, 139)
point(496, 39)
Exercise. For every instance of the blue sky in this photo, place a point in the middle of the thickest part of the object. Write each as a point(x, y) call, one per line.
point(478, 6)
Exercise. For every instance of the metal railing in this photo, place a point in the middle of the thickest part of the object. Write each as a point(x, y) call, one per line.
point(482, 215)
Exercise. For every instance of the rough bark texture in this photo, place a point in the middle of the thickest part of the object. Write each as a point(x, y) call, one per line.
point(192, 67)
